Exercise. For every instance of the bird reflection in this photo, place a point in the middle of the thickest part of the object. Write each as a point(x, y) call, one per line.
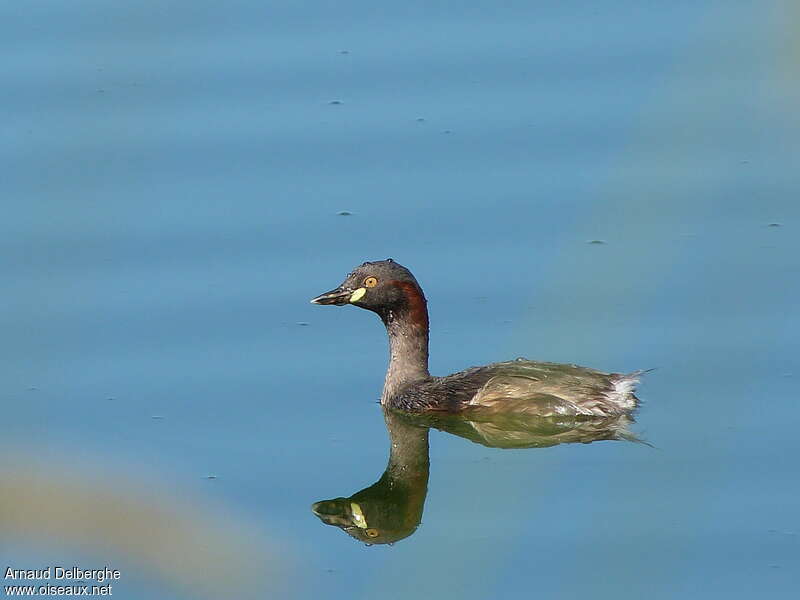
point(519, 431)
point(391, 508)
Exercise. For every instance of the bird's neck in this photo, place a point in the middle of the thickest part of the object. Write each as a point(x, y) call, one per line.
point(408, 348)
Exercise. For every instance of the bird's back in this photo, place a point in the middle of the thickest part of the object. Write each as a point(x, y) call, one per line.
point(527, 387)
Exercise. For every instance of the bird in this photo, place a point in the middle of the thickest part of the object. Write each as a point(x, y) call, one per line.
point(521, 387)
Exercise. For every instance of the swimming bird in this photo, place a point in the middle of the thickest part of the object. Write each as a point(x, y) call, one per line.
point(519, 386)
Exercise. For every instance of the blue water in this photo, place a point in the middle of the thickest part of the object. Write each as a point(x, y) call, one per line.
point(172, 176)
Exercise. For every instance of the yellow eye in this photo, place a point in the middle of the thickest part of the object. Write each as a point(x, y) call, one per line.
point(370, 282)
point(373, 533)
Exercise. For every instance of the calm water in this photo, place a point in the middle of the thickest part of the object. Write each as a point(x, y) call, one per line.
point(172, 176)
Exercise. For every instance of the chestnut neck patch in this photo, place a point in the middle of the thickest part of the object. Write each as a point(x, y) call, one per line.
point(415, 303)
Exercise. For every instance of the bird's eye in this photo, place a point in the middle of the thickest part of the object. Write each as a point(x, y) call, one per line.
point(370, 282)
point(373, 533)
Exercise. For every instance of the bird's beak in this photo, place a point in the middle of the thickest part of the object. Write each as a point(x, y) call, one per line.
point(339, 297)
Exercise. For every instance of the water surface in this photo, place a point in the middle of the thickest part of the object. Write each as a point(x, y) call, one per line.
point(173, 176)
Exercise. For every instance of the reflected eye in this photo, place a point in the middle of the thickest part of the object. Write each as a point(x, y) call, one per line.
point(370, 282)
point(373, 533)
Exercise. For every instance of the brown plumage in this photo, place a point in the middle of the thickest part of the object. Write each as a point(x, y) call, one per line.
point(520, 386)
